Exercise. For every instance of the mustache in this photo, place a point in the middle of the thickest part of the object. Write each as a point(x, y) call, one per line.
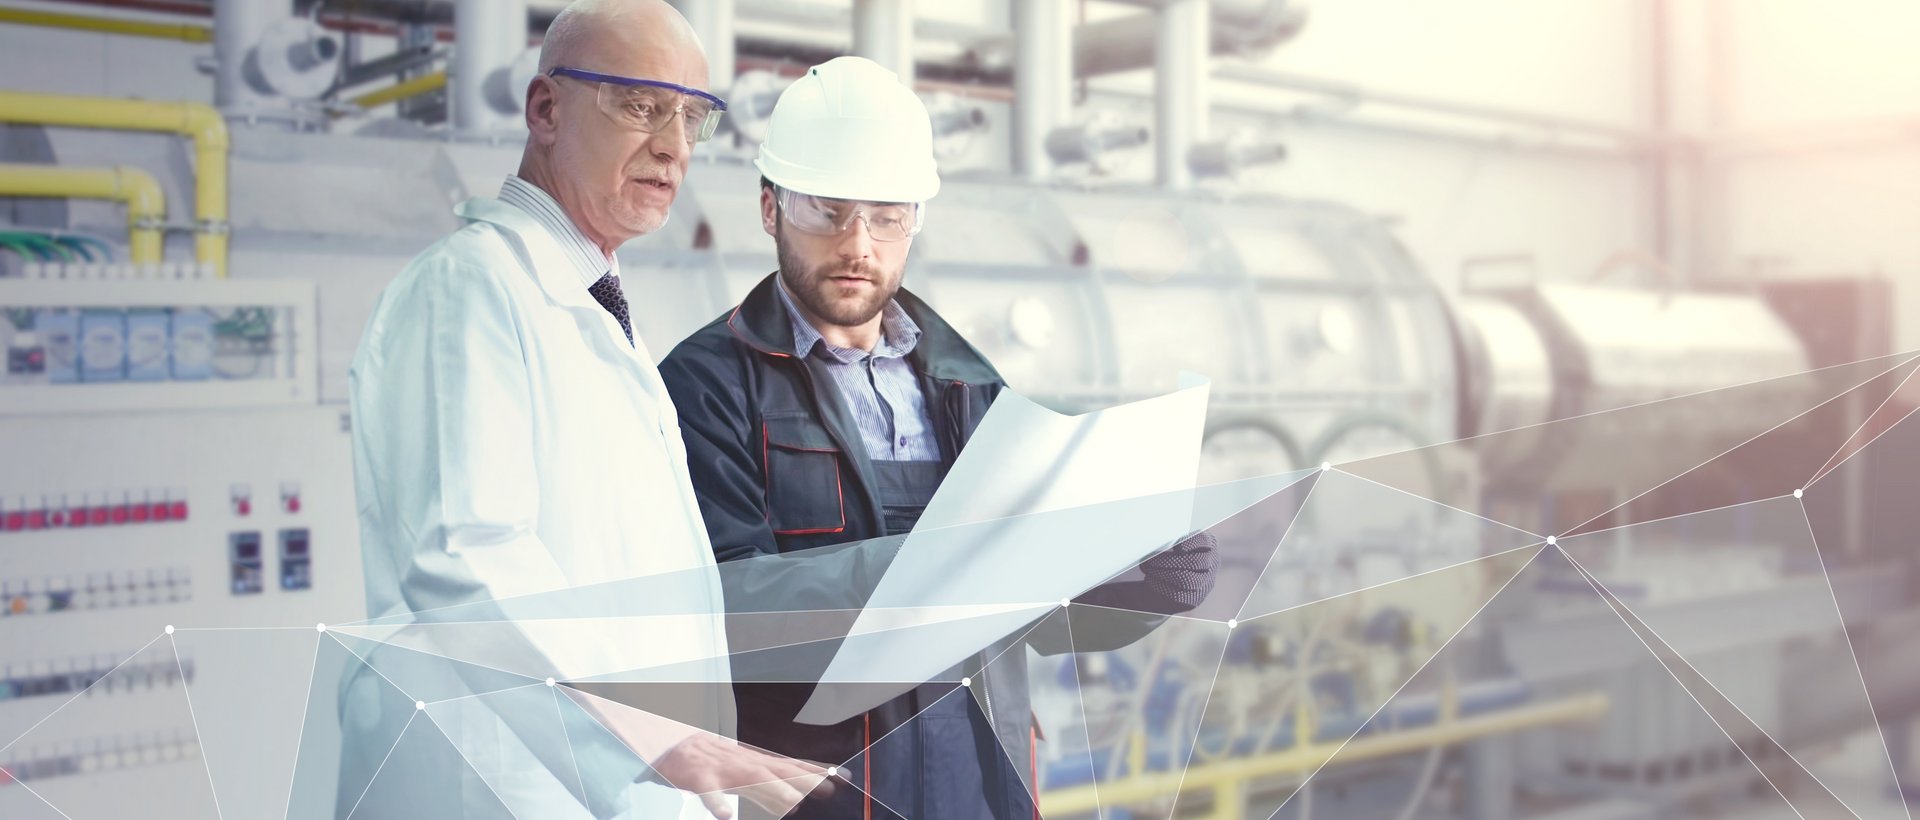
point(862, 269)
point(657, 175)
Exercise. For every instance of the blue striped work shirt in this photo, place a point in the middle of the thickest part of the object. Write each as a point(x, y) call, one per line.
point(880, 388)
point(588, 260)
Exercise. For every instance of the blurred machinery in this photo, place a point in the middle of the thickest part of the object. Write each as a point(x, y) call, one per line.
point(144, 382)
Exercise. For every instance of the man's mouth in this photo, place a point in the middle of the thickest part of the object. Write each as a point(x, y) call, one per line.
point(658, 184)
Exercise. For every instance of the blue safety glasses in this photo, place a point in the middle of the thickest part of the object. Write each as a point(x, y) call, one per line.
point(648, 105)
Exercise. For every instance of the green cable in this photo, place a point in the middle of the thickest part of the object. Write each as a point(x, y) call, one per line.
point(75, 245)
point(106, 250)
point(57, 248)
point(37, 243)
point(27, 253)
point(25, 244)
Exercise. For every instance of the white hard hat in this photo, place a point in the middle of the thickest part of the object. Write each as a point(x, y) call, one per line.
point(850, 130)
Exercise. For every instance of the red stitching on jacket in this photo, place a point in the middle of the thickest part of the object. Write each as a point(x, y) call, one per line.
point(766, 471)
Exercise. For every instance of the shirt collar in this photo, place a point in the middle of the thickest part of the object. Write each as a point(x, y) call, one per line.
point(588, 260)
point(898, 333)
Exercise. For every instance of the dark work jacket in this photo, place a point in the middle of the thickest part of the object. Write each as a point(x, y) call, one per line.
point(779, 467)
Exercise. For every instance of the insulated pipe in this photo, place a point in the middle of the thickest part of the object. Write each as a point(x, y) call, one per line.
point(405, 89)
point(137, 189)
point(238, 27)
point(1180, 90)
point(883, 33)
point(1235, 27)
point(196, 121)
point(712, 22)
point(487, 36)
point(105, 25)
point(1042, 71)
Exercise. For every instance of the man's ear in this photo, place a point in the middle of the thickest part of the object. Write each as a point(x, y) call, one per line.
point(543, 118)
point(769, 211)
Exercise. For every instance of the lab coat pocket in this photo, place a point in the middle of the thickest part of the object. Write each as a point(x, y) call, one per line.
point(805, 494)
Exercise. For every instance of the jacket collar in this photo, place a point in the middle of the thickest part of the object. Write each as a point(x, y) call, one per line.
point(763, 324)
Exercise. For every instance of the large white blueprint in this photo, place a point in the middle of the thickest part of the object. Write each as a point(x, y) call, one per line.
point(1039, 508)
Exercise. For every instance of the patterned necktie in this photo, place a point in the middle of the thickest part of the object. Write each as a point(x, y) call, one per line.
point(607, 293)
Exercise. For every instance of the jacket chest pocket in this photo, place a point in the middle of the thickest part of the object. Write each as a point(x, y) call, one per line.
point(806, 493)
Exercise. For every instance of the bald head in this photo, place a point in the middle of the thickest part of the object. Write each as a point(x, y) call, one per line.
point(614, 180)
point(603, 35)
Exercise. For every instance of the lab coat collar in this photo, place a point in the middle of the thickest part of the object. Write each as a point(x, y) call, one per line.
point(541, 253)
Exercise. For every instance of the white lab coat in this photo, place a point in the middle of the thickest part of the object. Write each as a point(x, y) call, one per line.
point(508, 441)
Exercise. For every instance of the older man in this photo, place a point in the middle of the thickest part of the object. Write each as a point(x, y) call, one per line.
point(512, 438)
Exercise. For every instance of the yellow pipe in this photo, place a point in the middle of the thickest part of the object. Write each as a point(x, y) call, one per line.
point(1232, 773)
point(423, 84)
point(146, 204)
point(196, 121)
point(103, 25)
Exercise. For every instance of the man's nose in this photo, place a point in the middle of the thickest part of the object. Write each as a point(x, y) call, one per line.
point(856, 242)
point(670, 142)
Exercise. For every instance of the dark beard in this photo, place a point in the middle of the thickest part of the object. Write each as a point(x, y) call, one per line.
point(808, 287)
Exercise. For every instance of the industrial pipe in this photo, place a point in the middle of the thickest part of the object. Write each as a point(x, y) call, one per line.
point(1181, 103)
point(1304, 758)
point(1226, 157)
point(712, 21)
point(1245, 28)
point(1043, 64)
point(487, 36)
point(403, 90)
point(146, 203)
point(196, 121)
point(238, 27)
point(105, 25)
point(883, 33)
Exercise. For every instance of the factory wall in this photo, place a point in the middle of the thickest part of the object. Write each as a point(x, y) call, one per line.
point(1821, 157)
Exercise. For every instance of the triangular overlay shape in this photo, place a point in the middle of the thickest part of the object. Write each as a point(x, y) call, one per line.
point(1354, 534)
point(1608, 707)
point(1773, 463)
point(1142, 682)
point(354, 719)
point(135, 722)
point(544, 751)
point(1058, 741)
point(1297, 683)
point(429, 677)
point(20, 801)
point(1897, 407)
point(1630, 449)
point(608, 734)
point(251, 690)
point(1741, 600)
point(1246, 542)
point(1862, 517)
point(420, 775)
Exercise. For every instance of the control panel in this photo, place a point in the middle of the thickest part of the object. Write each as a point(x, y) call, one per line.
point(161, 575)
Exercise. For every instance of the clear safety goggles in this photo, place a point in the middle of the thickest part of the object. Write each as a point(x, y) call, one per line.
point(648, 105)
point(823, 216)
